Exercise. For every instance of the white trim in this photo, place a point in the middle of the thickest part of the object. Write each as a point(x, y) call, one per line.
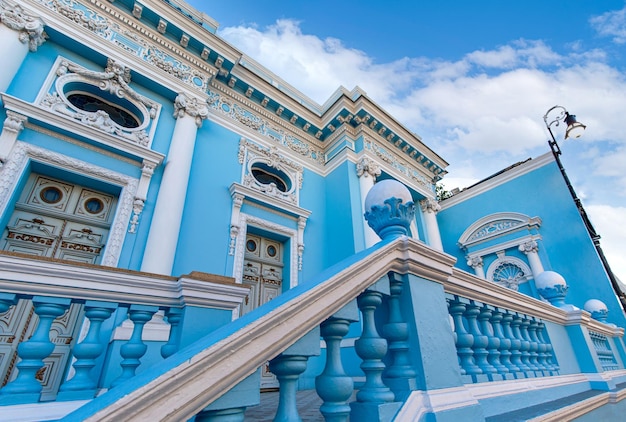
point(246, 220)
point(15, 167)
point(513, 221)
point(504, 246)
point(504, 259)
point(498, 180)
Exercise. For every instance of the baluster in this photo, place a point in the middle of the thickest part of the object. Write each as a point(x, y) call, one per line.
point(505, 343)
point(464, 340)
point(134, 349)
point(480, 341)
point(288, 369)
point(524, 345)
point(539, 347)
point(372, 348)
point(333, 385)
point(507, 320)
point(551, 364)
point(493, 342)
point(26, 387)
point(532, 346)
point(86, 353)
point(174, 316)
point(400, 375)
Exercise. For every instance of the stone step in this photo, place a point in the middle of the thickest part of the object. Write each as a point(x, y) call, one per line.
point(308, 403)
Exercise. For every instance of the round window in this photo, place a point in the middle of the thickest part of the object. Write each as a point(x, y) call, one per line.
point(271, 251)
point(51, 195)
point(251, 245)
point(93, 205)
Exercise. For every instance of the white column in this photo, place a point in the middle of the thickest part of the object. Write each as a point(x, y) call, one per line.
point(367, 170)
point(476, 262)
point(429, 211)
point(168, 212)
point(531, 249)
point(20, 32)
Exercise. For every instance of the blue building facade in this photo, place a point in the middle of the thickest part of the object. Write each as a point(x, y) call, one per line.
point(181, 230)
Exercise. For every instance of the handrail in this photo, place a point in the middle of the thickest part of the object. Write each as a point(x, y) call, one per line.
point(183, 385)
point(188, 381)
point(20, 273)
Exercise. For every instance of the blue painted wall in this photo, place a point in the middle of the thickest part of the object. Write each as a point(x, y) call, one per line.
point(540, 193)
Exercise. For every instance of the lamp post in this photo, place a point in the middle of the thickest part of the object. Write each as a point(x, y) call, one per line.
point(553, 117)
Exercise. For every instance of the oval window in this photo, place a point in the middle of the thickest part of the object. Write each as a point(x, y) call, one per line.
point(267, 175)
point(91, 104)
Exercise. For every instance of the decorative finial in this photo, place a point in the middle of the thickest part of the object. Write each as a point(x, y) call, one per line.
point(389, 209)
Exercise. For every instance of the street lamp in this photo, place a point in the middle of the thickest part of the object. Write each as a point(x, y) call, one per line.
point(575, 129)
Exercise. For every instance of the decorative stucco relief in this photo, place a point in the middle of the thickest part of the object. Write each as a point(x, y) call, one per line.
point(13, 169)
point(231, 109)
point(29, 28)
point(397, 164)
point(113, 80)
point(130, 41)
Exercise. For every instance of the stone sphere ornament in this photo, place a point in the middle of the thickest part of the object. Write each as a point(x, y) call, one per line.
point(552, 286)
point(389, 209)
point(597, 309)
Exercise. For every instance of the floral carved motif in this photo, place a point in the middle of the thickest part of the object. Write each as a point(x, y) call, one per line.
point(29, 28)
point(130, 41)
point(114, 80)
point(192, 107)
point(236, 112)
point(16, 165)
point(494, 227)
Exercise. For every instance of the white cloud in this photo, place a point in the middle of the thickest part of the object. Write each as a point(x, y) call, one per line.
point(610, 223)
point(484, 111)
point(611, 24)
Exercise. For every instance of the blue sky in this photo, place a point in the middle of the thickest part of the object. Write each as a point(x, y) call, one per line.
point(472, 78)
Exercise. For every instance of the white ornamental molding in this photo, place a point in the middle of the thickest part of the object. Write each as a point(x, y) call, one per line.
point(474, 261)
point(529, 247)
point(29, 28)
point(131, 36)
point(113, 85)
point(17, 164)
point(430, 205)
point(193, 107)
point(13, 125)
point(251, 154)
point(367, 167)
point(497, 225)
point(246, 220)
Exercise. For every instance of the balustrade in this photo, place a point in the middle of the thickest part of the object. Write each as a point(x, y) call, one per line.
point(498, 342)
point(27, 385)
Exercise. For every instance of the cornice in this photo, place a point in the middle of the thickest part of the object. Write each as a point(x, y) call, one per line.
point(65, 25)
point(500, 179)
point(254, 196)
point(290, 112)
